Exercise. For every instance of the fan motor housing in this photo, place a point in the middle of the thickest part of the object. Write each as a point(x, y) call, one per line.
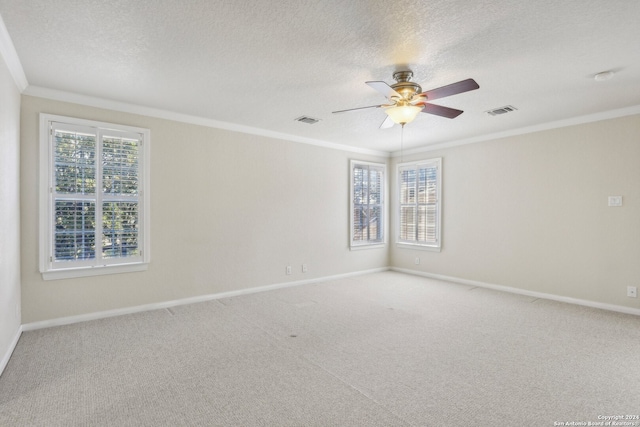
point(404, 86)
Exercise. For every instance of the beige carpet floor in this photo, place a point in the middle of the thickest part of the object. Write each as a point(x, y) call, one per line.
point(385, 349)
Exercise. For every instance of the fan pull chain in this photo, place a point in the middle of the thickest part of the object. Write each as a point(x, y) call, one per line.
point(402, 143)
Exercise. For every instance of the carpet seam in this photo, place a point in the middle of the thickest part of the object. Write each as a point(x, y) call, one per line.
point(283, 344)
point(380, 405)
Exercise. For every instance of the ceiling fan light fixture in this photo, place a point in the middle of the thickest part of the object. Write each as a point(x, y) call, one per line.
point(403, 114)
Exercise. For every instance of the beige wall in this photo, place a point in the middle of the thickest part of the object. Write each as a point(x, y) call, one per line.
point(9, 211)
point(531, 212)
point(231, 210)
point(228, 211)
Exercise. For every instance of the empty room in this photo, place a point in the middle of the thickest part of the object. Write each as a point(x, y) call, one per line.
point(330, 213)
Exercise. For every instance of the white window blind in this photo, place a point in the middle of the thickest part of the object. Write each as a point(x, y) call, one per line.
point(367, 203)
point(419, 216)
point(94, 197)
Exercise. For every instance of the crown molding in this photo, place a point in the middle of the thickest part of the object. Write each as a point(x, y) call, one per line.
point(125, 107)
point(589, 118)
point(108, 104)
point(8, 52)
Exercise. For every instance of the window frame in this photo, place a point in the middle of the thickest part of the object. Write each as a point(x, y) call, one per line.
point(97, 266)
point(367, 244)
point(415, 244)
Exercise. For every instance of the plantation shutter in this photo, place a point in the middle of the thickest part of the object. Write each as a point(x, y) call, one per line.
point(74, 193)
point(120, 204)
point(367, 203)
point(95, 197)
point(419, 203)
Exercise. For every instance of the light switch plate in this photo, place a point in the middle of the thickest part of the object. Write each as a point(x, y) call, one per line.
point(615, 201)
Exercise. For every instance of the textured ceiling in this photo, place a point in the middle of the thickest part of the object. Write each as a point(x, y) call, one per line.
point(264, 63)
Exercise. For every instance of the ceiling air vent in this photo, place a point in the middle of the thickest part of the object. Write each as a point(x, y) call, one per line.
point(502, 110)
point(308, 120)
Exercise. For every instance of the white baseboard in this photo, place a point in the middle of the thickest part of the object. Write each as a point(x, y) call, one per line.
point(202, 298)
point(553, 297)
point(9, 352)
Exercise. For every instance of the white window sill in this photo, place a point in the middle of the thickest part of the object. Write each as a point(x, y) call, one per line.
point(367, 246)
point(418, 247)
point(70, 273)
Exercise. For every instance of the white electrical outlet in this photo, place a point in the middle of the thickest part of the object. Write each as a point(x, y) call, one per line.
point(304, 268)
point(417, 261)
point(615, 201)
point(288, 269)
point(632, 291)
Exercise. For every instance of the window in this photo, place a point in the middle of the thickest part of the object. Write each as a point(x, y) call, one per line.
point(367, 204)
point(94, 197)
point(419, 216)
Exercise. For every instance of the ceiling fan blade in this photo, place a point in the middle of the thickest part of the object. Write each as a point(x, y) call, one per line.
point(384, 89)
point(387, 123)
point(452, 89)
point(439, 110)
point(356, 109)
